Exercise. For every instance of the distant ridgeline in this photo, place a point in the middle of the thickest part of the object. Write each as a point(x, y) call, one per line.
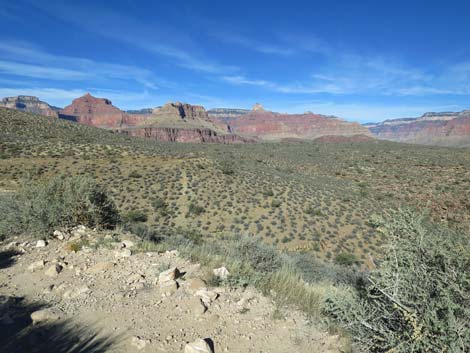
point(180, 122)
point(442, 129)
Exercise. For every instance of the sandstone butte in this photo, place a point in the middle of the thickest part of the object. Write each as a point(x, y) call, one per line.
point(99, 112)
point(178, 122)
point(29, 104)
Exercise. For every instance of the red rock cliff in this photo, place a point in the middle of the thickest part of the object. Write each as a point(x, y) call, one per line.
point(99, 112)
point(271, 126)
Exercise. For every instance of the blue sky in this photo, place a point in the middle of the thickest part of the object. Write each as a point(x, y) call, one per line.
point(360, 60)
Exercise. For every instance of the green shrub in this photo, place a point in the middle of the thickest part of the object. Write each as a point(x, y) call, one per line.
point(195, 209)
point(134, 216)
point(191, 235)
point(135, 174)
point(59, 202)
point(418, 299)
point(268, 193)
point(275, 203)
point(226, 167)
point(159, 204)
point(345, 259)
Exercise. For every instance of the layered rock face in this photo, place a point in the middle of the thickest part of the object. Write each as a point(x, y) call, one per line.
point(99, 112)
point(29, 104)
point(178, 122)
point(344, 139)
point(270, 126)
point(440, 129)
point(193, 135)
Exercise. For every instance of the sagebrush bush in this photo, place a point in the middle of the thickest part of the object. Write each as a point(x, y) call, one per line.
point(134, 216)
point(418, 299)
point(37, 208)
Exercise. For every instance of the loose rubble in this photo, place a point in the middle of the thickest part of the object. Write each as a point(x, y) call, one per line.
point(121, 291)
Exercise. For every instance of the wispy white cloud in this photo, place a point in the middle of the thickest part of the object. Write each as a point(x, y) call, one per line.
point(152, 38)
point(36, 71)
point(26, 60)
point(242, 80)
point(362, 75)
point(253, 44)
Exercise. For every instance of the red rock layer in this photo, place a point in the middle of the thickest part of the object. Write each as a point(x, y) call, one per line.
point(455, 132)
point(99, 112)
point(194, 135)
point(275, 126)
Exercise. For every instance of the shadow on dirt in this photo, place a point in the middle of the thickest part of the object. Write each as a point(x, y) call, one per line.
point(19, 335)
point(7, 258)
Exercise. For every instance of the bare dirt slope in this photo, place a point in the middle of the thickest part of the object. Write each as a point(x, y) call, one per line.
point(112, 288)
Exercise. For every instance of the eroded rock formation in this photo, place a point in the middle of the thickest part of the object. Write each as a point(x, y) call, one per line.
point(179, 122)
point(29, 104)
point(442, 129)
point(99, 112)
point(270, 126)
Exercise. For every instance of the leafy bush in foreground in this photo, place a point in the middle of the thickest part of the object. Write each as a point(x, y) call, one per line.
point(418, 300)
point(58, 202)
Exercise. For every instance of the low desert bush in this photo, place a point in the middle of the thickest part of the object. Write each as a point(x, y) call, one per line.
point(195, 209)
point(37, 208)
point(134, 216)
point(417, 300)
point(346, 259)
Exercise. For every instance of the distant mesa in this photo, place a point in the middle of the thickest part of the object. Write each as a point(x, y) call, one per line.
point(258, 108)
point(178, 111)
point(270, 126)
point(440, 129)
point(29, 104)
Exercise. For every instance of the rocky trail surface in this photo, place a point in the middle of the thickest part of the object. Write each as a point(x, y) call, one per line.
point(135, 301)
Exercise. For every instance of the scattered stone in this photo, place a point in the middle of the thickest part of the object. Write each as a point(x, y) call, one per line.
point(195, 284)
point(59, 235)
point(123, 253)
point(54, 270)
point(207, 296)
point(41, 243)
point(198, 346)
point(221, 273)
point(136, 277)
point(75, 293)
point(38, 265)
point(48, 289)
point(12, 245)
point(61, 287)
point(169, 287)
point(127, 244)
point(168, 275)
point(197, 307)
point(46, 315)
point(139, 342)
point(101, 267)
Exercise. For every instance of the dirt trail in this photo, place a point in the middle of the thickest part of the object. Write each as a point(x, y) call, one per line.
point(114, 290)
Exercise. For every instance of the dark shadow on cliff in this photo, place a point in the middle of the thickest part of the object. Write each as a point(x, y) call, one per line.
point(7, 258)
point(19, 335)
